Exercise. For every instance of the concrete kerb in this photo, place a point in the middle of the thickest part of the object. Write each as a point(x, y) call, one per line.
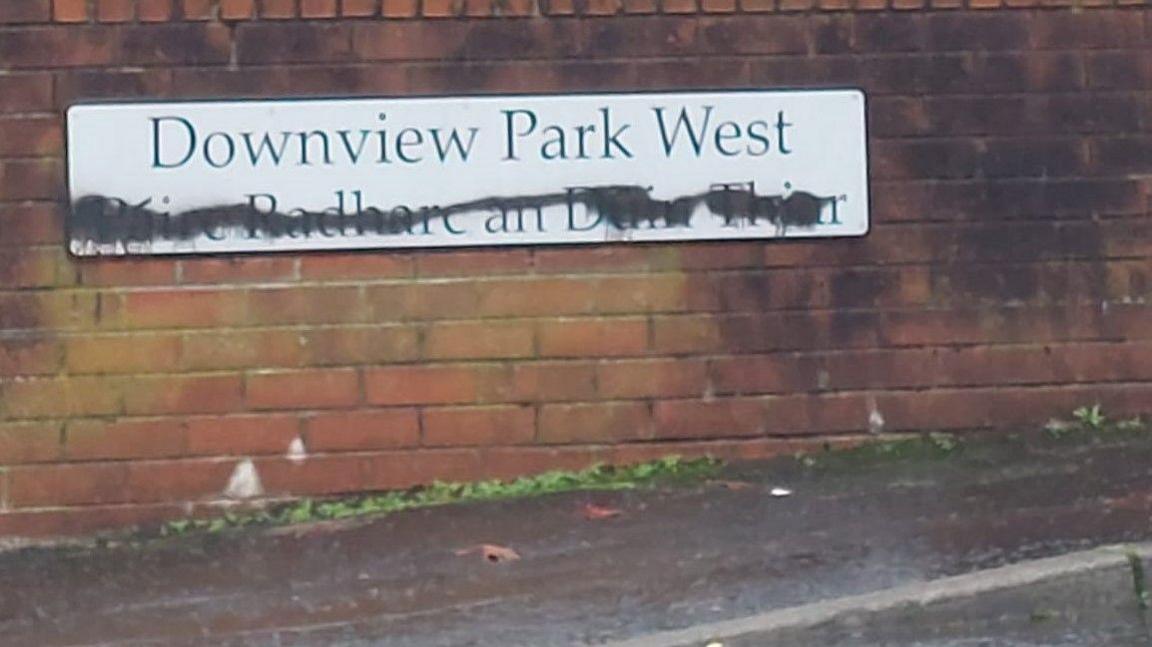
point(765, 627)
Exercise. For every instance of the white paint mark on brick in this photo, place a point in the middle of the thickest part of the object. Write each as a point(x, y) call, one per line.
point(244, 482)
point(296, 452)
point(875, 418)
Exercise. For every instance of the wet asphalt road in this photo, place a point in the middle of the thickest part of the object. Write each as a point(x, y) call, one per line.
point(678, 556)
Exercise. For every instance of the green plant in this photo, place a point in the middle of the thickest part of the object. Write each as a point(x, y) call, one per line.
point(1057, 429)
point(944, 442)
point(1131, 424)
point(1091, 418)
point(1139, 579)
point(597, 477)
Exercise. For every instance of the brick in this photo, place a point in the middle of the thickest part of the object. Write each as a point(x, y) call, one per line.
point(70, 10)
point(508, 39)
point(518, 8)
point(31, 311)
point(33, 268)
point(478, 8)
point(278, 9)
point(35, 398)
point(926, 159)
point(444, 8)
point(35, 353)
point(30, 137)
point(175, 44)
point(686, 334)
point(185, 308)
point(255, 269)
point(243, 349)
point(58, 485)
point(28, 224)
point(237, 9)
point(58, 46)
point(717, 418)
point(25, 11)
point(1084, 30)
point(115, 10)
point(85, 521)
point(818, 414)
point(602, 7)
point(303, 42)
point(1121, 154)
point(592, 337)
point(641, 6)
point(399, 8)
point(318, 9)
point(395, 470)
point(599, 422)
point(478, 340)
point(1034, 157)
point(171, 394)
point(275, 82)
point(755, 34)
point(507, 463)
point(659, 36)
point(718, 6)
point(312, 389)
point(29, 443)
point(483, 426)
point(362, 430)
point(40, 179)
point(300, 305)
point(87, 440)
point(554, 381)
point(651, 378)
point(154, 10)
point(1120, 70)
point(197, 9)
point(184, 480)
point(751, 374)
point(361, 345)
point(653, 293)
point(247, 435)
point(322, 474)
point(473, 263)
point(25, 92)
point(76, 85)
point(358, 8)
point(123, 353)
point(678, 6)
point(355, 266)
point(454, 300)
point(436, 384)
point(512, 297)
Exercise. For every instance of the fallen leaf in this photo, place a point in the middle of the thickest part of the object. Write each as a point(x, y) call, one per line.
point(735, 486)
point(491, 553)
point(593, 512)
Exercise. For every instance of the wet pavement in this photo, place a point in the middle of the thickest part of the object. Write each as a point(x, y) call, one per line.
point(678, 555)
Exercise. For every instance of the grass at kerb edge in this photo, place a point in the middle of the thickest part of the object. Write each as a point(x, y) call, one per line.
point(597, 477)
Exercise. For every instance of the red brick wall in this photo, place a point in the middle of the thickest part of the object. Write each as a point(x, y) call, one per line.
point(1006, 278)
